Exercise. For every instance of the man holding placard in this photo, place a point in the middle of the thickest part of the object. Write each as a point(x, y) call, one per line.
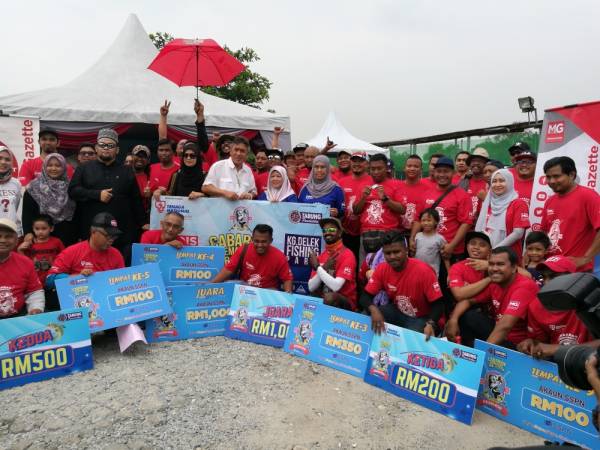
point(334, 270)
point(94, 255)
point(258, 263)
point(19, 283)
point(415, 296)
point(170, 229)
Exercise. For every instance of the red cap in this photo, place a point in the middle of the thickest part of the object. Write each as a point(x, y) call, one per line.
point(361, 154)
point(558, 264)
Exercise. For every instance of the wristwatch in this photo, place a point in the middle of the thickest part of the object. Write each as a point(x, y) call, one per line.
point(385, 198)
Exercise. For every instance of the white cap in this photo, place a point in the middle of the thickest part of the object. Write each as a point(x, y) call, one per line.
point(7, 223)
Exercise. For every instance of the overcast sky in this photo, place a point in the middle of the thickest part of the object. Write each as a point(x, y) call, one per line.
point(390, 69)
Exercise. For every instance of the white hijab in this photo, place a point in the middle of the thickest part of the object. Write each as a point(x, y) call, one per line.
point(277, 195)
point(494, 225)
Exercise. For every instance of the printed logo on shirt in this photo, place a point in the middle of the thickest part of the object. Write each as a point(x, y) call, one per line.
point(409, 215)
point(249, 266)
point(391, 287)
point(524, 216)
point(436, 286)
point(442, 224)
point(7, 301)
point(255, 280)
point(375, 212)
point(567, 339)
point(514, 304)
point(405, 306)
point(555, 236)
point(347, 271)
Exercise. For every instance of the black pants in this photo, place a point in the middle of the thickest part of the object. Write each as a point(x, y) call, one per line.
point(353, 243)
point(393, 315)
point(475, 324)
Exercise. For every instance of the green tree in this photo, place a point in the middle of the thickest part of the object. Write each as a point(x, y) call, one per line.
point(248, 88)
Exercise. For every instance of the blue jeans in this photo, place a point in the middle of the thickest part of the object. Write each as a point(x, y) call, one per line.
point(393, 315)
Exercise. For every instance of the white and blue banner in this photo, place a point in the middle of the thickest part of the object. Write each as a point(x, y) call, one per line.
point(43, 346)
point(330, 336)
point(436, 374)
point(220, 222)
point(198, 311)
point(116, 297)
point(187, 265)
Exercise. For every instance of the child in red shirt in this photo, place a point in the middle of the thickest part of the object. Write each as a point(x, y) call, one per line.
point(40, 247)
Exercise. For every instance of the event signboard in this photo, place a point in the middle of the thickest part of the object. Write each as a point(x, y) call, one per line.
point(229, 224)
point(528, 393)
point(116, 297)
point(259, 315)
point(187, 265)
point(436, 374)
point(20, 135)
point(198, 311)
point(43, 346)
point(330, 336)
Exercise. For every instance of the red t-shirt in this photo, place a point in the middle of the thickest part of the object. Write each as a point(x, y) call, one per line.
point(555, 327)
point(456, 178)
point(524, 188)
point(412, 196)
point(353, 188)
point(209, 158)
point(376, 216)
point(43, 254)
point(17, 279)
point(264, 271)
point(571, 222)
point(337, 175)
point(160, 177)
point(428, 183)
point(517, 216)
point(301, 178)
point(412, 289)
point(72, 260)
point(31, 168)
point(142, 182)
point(460, 274)
point(345, 267)
point(513, 300)
point(154, 237)
point(455, 209)
point(475, 186)
point(261, 179)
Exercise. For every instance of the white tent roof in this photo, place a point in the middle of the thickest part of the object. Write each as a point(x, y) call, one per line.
point(119, 88)
point(334, 129)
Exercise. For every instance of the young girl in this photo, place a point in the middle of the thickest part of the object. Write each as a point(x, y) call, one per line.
point(40, 247)
point(428, 242)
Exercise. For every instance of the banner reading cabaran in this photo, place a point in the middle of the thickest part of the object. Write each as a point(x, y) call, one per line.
point(220, 222)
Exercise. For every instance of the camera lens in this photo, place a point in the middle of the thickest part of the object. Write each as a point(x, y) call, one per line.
point(571, 365)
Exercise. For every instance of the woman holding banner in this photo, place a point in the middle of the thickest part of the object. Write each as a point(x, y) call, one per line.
point(279, 188)
point(320, 188)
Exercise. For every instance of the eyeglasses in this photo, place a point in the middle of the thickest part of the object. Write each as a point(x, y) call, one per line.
point(330, 230)
point(190, 156)
point(526, 162)
point(173, 226)
point(87, 153)
point(106, 146)
point(271, 157)
point(107, 236)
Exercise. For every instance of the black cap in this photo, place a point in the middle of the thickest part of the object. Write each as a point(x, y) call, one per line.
point(444, 161)
point(333, 220)
point(519, 147)
point(47, 130)
point(108, 223)
point(495, 162)
point(302, 146)
point(477, 234)
point(274, 153)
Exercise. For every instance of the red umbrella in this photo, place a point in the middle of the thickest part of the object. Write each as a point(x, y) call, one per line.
point(196, 62)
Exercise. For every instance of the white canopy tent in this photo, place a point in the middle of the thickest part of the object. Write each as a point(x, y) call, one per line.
point(334, 129)
point(119, 88)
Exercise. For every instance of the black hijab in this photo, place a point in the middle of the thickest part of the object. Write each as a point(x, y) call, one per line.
point(189, 178)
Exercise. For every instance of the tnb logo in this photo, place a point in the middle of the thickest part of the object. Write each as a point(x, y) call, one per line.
point(555, 133)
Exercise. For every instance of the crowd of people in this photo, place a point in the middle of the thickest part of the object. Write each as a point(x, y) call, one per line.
point(449, 254)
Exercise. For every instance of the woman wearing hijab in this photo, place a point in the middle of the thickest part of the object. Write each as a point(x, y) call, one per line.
point(279, 188)
point(48, 194)
point(10, 188)
point(187, 181)
point(321, 189)
point(504, 217)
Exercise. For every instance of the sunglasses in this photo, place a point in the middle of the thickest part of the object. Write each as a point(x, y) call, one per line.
point(330, 230)
point(107, 236)
point(190, 156)
point(106, 146)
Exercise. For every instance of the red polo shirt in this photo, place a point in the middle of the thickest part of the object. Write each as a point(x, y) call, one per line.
point(17, 280)
point(80, 256)
point(154, 237)
point(262, 271)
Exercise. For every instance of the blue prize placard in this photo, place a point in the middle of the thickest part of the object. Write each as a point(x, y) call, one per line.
point(43, 346)
point(330, 336)
point(259, 315)
point(437, 374)
point(188, 265)
point(529, 393)
point(198, 311)
point(116, 297)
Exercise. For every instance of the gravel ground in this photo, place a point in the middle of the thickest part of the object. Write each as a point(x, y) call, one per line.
point(225, 394)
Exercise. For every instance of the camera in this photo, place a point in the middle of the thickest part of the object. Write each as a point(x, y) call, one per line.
point(579, 292)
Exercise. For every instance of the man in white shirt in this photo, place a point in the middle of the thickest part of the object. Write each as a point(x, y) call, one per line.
point(231, 178)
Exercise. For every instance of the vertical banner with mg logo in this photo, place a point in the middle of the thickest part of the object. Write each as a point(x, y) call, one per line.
point(20, 135)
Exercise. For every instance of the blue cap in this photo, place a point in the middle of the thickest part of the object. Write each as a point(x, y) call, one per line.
point(444, 161)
